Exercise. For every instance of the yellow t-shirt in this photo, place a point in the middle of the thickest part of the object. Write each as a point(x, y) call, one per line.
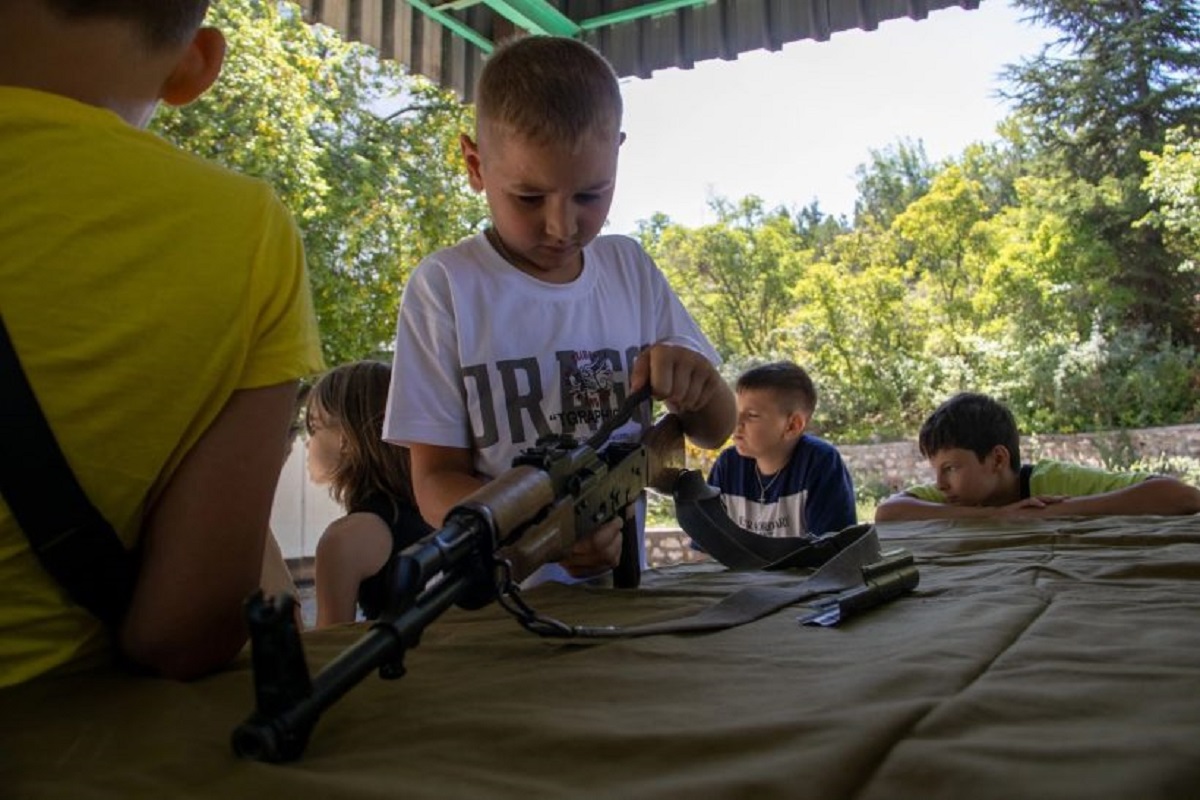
point(141, 287)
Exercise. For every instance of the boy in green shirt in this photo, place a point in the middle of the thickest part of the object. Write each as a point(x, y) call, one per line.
point(972, 445)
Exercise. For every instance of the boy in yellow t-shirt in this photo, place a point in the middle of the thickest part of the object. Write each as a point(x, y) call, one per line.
point(160, 308)
point(972, 445)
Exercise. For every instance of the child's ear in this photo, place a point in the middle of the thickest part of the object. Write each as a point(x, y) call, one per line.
point(197, 69)
point(797, 423)
point(470, 152)
point(1000, 457)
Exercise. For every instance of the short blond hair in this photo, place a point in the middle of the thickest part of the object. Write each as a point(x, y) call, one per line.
point(792, 386)
point(548, 89)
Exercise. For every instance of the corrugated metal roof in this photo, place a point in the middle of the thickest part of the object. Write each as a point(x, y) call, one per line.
point(453, 53)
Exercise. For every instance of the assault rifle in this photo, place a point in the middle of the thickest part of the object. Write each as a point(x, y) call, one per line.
point(556, 493)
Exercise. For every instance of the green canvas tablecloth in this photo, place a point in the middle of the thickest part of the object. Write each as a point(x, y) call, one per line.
point(1036, 660)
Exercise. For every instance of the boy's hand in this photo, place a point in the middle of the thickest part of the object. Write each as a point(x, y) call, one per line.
point(597, 553)
point(1030, 506)
point(682, 378)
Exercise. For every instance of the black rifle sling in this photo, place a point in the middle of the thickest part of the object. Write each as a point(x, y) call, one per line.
point(702, 516)
point(70, 537)
point(842, 571)
point(841, 560)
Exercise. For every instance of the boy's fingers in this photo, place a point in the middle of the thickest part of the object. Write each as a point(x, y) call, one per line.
point(680, 377)
point(662, 375)
point(641, 372)
point(699, 390)
point(608, 543)
point(695, 381)
point(596, 553)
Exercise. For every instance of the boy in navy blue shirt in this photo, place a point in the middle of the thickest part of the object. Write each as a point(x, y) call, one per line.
point(776, 479)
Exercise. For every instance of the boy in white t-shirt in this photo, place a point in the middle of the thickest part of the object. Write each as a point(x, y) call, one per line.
point(536, 326)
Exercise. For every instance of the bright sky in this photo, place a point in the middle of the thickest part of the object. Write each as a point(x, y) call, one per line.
point(792, 126)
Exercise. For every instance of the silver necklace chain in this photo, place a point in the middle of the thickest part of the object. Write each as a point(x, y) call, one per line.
point(762, 490)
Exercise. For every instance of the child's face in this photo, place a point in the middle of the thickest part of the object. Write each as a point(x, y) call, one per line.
point(547, 201)
point(965, 479)
point(324, 446)
point(764, 428)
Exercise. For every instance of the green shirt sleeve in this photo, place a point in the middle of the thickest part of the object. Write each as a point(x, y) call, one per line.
point(1074, 480)
point(927, 492)
point(1054, 478)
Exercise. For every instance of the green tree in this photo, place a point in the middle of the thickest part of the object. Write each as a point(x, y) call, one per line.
point(939, 234)
point(818, 230)
point(1036, 285)
point(734, 275)
point(892, 179)
point(1121, 74)
point(363, 154)
point(854, 331)
point(1173, 183)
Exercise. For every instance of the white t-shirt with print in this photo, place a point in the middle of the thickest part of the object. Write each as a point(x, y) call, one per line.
point(491, 358)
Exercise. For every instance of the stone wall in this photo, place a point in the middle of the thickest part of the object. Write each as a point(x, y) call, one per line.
point(302, 510)
point(671, 546)
point(882, 469)
point(890, 467)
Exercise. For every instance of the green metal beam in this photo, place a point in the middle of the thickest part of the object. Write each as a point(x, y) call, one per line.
point(535, 16)
point(458, 5)
point(539, 17)
point(461, 28)
point(638, 12)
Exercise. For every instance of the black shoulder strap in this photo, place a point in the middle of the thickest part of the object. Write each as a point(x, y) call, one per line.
point(702, 516)
point(1026, 474)
point(73, 541)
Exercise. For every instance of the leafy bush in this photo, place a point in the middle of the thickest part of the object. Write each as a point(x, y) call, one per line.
point(1128, 380)
point(1185, 468)
point(660, 511)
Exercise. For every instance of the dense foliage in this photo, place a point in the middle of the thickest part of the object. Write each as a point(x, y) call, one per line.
point(365, 156)
point(1120, 76)
point(1057, 267)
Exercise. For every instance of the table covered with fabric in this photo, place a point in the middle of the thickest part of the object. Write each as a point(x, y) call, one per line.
point(1036, 659)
